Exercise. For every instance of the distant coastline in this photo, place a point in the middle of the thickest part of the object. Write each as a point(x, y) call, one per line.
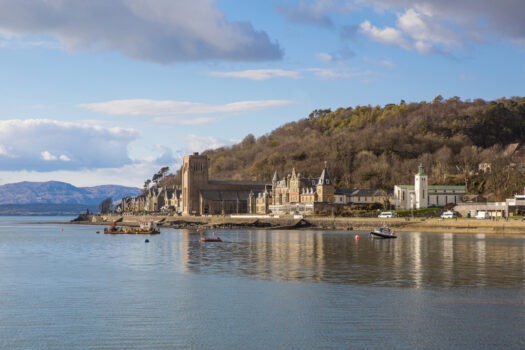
point(45, 209)
point(319, 223)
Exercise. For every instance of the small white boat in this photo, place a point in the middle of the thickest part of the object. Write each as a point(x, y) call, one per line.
point(383, 232)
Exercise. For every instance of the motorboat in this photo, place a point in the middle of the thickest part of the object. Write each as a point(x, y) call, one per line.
point(383, 232)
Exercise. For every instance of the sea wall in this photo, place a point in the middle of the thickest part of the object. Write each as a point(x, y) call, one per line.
point(322, 223)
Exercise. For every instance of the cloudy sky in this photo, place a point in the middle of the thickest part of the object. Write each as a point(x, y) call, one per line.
point(108, 91)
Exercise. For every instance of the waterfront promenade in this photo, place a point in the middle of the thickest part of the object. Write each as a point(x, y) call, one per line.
point(323, 223)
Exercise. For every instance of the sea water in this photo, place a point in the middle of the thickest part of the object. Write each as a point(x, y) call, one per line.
point(73, 287)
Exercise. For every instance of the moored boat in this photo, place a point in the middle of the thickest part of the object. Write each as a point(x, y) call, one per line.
point(144, 228)
point(209, 239)
point(215, 238)
point(383, 232)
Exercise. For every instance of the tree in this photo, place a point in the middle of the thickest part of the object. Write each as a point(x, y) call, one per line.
point(146, 185)
point(105, 206)
point(159, 175)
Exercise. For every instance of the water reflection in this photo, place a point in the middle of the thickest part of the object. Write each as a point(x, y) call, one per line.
point(413, 260)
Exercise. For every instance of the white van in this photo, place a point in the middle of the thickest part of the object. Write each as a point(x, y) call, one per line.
point(482, 215)
point(387, 214)
point(449, 214)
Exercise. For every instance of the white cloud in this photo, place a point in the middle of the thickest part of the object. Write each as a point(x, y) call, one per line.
point(48, 156)
point(387, 35)
point(197, 143)
point(323, 73)
point(425, 32)
point(175, 109)
point(258, 74)
point(443, 25)
point(47, 145)
point(3, 151)
point(337, 74)
point(164, 31)
point(416, 31)
point(8, 41)
point(325, 57)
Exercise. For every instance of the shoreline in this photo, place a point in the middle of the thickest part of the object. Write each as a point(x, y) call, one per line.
point(460, 225)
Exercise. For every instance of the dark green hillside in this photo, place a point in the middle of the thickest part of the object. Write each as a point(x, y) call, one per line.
point(379, 147)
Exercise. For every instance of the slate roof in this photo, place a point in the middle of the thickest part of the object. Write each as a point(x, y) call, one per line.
point(324, 179)
point(219, 195)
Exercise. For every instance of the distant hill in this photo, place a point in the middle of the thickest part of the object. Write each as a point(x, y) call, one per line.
point(55, 192)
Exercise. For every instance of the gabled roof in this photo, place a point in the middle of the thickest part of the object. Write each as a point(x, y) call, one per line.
point(275, 177)
point(324, 179)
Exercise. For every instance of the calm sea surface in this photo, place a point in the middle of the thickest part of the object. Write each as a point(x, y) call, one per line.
point(67, 287)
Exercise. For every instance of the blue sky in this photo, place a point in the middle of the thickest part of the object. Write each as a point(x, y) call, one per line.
point(108, 91)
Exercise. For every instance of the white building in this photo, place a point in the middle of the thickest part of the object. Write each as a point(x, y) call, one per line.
point(423, 195)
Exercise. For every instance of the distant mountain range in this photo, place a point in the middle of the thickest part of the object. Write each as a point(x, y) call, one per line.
point(54, 197)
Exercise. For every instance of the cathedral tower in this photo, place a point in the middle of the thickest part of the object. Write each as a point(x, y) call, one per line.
point(194, 179)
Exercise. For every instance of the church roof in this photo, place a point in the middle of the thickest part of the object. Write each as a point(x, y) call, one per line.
point(225, 195)
point(324, 179)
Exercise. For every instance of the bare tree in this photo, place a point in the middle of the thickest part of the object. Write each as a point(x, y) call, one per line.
point(105, 206)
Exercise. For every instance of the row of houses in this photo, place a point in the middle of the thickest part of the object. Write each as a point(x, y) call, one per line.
point(162, 199)
point(198, 195)
point(156, 199)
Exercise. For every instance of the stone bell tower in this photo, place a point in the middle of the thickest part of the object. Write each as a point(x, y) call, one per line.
point(194, 179)
point(421, 188)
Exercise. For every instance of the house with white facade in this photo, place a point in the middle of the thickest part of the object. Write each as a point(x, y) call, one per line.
point(422, 195)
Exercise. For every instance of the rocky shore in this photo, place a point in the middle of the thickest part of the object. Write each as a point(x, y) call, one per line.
point(320, 223)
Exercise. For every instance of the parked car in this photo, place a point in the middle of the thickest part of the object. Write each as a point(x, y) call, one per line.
point(387, 214)
point(449, 214)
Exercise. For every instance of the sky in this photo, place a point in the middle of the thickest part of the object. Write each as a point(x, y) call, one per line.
point(109, 91)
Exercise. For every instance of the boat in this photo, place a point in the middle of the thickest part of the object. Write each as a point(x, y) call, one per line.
point(215, 238)
point(113, 228)
point(148, 227)
point(383, 232)
point(210, 239)
point(144, 228)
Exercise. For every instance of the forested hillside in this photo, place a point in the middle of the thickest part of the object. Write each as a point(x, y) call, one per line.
point(378, 147)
